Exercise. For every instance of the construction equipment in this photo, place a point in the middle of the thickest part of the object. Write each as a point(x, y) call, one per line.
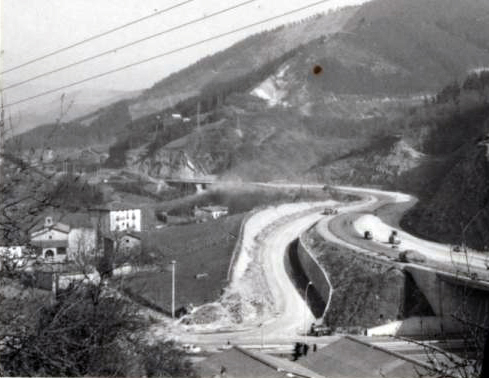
point(394, 239)
point(330, 211)
point(320, 330)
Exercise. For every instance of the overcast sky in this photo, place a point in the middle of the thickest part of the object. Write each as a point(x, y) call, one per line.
point(31, 28)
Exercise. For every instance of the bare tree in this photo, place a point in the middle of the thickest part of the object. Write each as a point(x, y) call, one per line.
point(86, 329)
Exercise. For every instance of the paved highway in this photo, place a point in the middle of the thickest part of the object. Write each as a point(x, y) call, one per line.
point(290, 316)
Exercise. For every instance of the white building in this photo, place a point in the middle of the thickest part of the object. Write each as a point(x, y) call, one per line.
point(52, 240)
point(117, 217)
point(59, 242)
point(210, 212)
point(122, 220)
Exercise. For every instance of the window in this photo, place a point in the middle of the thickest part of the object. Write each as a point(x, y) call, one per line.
point(61, 251)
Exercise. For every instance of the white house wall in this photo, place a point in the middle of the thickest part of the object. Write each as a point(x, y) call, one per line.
point(11, 252)
point(121, 220)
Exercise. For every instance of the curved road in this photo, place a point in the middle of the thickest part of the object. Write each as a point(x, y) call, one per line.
point(291, 314)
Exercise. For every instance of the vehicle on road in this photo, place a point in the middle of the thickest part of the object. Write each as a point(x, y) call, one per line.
point(320, 330)
point(457, 248)
point(394, 239)
point(330, 211)
point(191, 349)
point(367, 235)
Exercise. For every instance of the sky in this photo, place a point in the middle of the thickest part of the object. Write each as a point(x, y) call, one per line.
point(32, 28)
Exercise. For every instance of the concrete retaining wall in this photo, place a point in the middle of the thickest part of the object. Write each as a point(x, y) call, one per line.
point(316, 274)
point(452, 297)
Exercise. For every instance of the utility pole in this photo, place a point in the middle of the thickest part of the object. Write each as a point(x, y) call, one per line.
point(198, 115)
point(158, 118)
point(2, 127)
point(173, 289)
point(305, 312)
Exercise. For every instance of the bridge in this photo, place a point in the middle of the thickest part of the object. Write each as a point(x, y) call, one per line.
point(203, 180)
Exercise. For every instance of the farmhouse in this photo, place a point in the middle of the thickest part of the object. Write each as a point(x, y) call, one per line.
point(52, 240)
point(123, 243)
point(59, 242)
point(210, 212)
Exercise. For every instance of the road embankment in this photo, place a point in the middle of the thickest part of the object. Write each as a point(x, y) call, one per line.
point(315, 273)
point(367, 292)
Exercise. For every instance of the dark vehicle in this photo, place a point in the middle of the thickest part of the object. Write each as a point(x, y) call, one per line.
point(456, 248)
point(394, 239)
point(320, 330)
point(368, 235)
point(330, 211)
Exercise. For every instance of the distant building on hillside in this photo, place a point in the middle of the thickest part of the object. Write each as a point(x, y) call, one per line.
point(116, 217)
point(13, 251)
point(122, 243)
point(210, 212)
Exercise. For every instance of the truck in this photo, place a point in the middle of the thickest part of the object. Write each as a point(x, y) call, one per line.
point(320, 330)
point(367, 235)
point(394, 239)
point(330, 211)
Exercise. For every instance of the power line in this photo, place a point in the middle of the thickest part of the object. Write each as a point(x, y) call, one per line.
point(118, 48)
point(96, 36)
point(201, 42)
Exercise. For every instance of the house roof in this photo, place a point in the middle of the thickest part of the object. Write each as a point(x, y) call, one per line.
point(132, 234)
point(237, 363)
point(65, 221)
point(115, 206)
point(352, 357)
point(40, 228)
point(50, 243)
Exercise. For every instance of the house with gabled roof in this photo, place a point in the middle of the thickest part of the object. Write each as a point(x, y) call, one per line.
point(59, 242)
point(52, 240)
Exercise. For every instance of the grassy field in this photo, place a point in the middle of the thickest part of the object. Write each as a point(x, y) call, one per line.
point(196, 248)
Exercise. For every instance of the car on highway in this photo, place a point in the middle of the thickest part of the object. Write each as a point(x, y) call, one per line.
point(457, 248)
point(394, 239)
point(330, 211)
point(320, 330)
point(191, 349)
